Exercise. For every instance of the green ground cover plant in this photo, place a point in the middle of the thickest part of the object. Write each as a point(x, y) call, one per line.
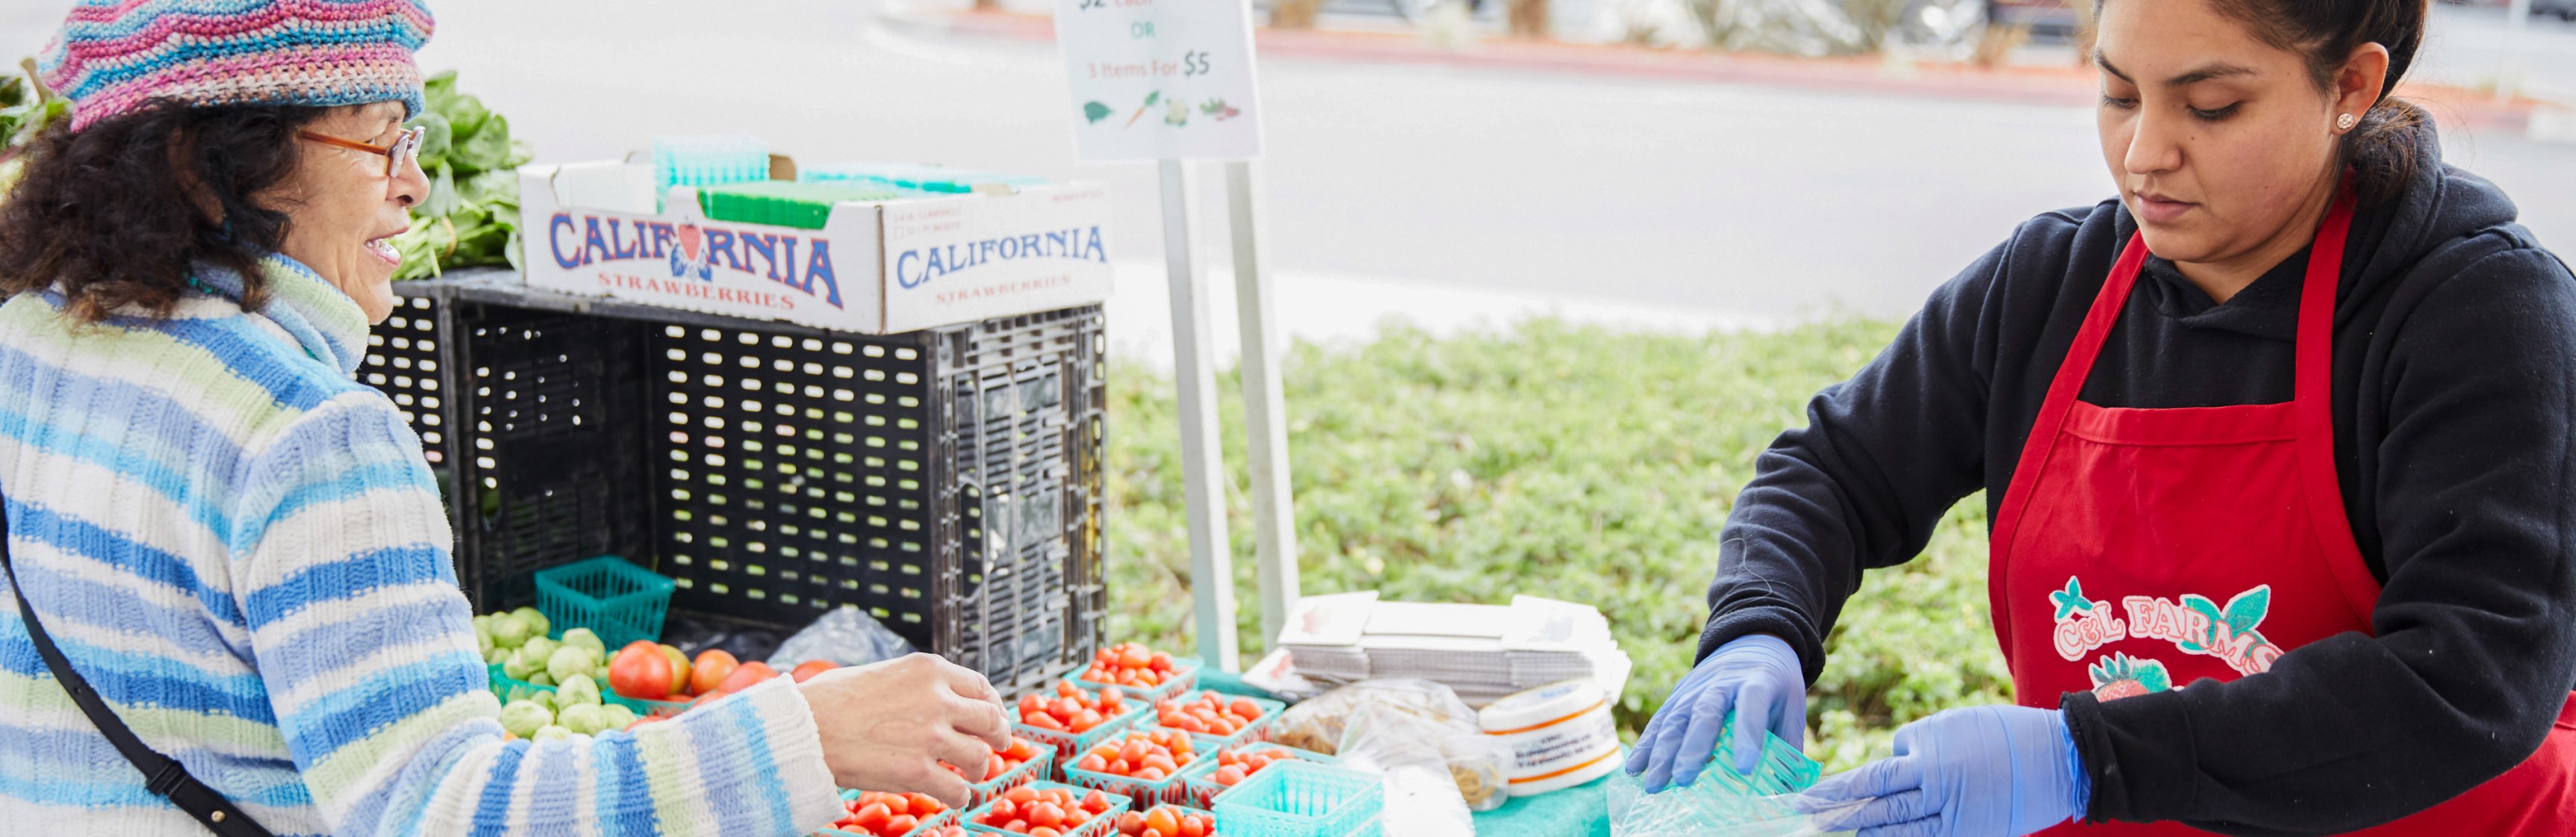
point(1574, 462)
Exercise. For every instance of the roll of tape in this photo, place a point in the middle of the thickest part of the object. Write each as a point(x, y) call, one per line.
point(1561, 735)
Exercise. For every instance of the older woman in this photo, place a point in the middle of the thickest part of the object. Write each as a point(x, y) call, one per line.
point(239, 550)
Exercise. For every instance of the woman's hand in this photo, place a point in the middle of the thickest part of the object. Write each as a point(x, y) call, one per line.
point(1984, 771)
point(887, 726)
point(1757, 677)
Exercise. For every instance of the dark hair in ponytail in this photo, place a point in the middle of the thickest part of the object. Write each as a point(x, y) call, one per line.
point(2381, 150)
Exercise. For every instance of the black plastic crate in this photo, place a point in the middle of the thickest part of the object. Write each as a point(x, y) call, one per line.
point(947, 481)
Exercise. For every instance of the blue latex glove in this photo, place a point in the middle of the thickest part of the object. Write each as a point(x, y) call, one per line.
point(1756, 677)
point(1985, 771)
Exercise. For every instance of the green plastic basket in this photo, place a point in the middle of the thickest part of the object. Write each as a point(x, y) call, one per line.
point(1185, 676)
point(615, 599)
point(1259, 730)
point(1029, 771)
point(1100, 826)
point(1069, 746)
point(1199, 779)
point(942, 820)
point(1300, 800)
point(1168, 790)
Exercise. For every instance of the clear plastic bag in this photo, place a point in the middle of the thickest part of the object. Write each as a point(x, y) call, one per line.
point(1712, 807)
point(846, 636)
point(1316, 724)
point(1439, 766)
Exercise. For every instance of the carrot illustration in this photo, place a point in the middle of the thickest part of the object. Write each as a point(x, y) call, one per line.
point(1150, 99)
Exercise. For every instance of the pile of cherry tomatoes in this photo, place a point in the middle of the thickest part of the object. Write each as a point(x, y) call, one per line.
point(1131, 665)
point(1002, 761)
point(1053, 812)
point(1147, 755)
point(1206, 714)
point(892, 815)
point(1234, 766)
point(1073, 710)
point(1166, 821)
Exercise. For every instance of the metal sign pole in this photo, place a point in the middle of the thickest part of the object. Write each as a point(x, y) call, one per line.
point(2517, 14)
point(1265, 407)
point(1202, 460)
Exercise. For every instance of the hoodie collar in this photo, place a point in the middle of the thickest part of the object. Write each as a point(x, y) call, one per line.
point(325, 322)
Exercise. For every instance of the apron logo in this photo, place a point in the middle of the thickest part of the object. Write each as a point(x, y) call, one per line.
point(2120, 675)
point(2194, 624)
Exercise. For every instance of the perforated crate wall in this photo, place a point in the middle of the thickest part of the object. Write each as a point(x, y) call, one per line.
point(947, 481)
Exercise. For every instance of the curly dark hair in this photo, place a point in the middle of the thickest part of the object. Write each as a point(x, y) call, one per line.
point(116, 214)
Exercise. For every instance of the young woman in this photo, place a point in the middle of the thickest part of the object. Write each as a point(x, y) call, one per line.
point(2280, 452)
point(240, 550)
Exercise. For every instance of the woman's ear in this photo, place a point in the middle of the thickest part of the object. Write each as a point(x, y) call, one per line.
point(2363, 81)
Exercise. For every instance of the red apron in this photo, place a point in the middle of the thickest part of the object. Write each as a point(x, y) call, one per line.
point(2140, 550)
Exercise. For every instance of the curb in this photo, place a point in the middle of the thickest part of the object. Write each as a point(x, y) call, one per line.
point(2022, 85)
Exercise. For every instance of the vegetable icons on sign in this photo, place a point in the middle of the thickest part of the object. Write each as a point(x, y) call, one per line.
point(1186, 63)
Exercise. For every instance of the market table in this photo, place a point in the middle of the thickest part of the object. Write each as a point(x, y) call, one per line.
point(1580, 811)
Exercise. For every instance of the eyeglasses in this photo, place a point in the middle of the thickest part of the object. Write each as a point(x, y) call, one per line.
point(406, 148)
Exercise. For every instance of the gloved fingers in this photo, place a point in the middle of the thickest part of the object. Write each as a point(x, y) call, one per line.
point(1754, 707)
point(1667, 747)
point(1699, 740)
point(1927, 827)
point(1644, 755)
point(1789, 720)
point(1895, 808)
point(1884, 777)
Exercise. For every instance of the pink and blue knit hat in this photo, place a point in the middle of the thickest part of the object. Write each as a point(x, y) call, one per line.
point(115, 56)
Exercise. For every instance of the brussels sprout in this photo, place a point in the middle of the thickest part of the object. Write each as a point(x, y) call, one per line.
point(586, 719)
point(523, 663)
point(523, 717)
point(538, 624)
point(569, 661)
point(583, 638)
point(619, 717)
point(508, 631)
point(576, 690)
point(551, 732)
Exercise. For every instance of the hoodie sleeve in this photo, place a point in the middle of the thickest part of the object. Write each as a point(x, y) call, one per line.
point(1883, 456)
point(367, 652)
point(2472, 657)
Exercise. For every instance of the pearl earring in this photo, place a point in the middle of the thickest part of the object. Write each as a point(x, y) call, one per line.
point(2346, 121)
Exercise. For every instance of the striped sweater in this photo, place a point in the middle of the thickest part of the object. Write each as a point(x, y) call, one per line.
point(242, 549)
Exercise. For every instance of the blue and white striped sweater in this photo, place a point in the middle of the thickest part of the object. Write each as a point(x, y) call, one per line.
point(243, 551)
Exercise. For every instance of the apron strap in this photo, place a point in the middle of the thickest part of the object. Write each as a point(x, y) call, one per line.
point(2314, 410)
point(2062, 391)
point(163, 776)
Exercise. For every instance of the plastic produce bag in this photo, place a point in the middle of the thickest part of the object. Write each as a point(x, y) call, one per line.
point(1316, 724)
point(1439, 765)
point(846, 636)
point(1706, 809)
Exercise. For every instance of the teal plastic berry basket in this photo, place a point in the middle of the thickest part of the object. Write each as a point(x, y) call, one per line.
point(1185, 676)
point(615, 599)
point(1069, 746)
point(1300, 800)
point(1199, 779)
point(1169, 790)
point(1257, 731)
point(929, 825)
point(1100, 826)
point(1029, 771)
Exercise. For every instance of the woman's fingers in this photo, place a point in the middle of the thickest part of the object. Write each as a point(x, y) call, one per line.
point(1644, 756)
point(1668, 745)
point(1699, 740)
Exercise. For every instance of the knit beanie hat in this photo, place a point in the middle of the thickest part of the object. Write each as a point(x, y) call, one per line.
point(116, 56)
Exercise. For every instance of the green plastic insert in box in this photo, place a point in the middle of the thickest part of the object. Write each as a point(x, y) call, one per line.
point(804, 206)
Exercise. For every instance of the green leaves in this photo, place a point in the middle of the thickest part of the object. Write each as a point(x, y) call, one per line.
point(1558, 460)
point(471, 216)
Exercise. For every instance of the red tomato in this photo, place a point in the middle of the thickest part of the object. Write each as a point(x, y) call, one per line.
point(871, 817)
point(1131, 824)
point(901, 825)
point(1043, 831)
point(1229, 775)
point(709, 670)
point(810, 668)
point(746, 676)
point(1046, 815)
point(640, 671)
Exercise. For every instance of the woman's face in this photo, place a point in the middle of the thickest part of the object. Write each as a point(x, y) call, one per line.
point(341, 205)
point(2221, 144)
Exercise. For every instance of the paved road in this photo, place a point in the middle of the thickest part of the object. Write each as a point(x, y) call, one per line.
point(1720, 198)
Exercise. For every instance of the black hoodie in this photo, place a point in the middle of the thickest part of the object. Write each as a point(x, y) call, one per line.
point(2455, 436)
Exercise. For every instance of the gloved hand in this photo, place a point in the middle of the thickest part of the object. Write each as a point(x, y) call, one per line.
point(1984, 771)
point(1758, 678)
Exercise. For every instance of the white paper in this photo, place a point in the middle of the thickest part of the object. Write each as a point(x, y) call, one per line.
point(1160, 79)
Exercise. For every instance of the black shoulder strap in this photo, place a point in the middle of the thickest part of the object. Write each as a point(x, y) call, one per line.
point(163, 775)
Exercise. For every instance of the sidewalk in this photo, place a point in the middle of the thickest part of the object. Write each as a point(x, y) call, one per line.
point(2019, 84)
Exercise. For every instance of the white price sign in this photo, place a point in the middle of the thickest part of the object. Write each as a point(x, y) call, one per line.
point(1160, 79)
